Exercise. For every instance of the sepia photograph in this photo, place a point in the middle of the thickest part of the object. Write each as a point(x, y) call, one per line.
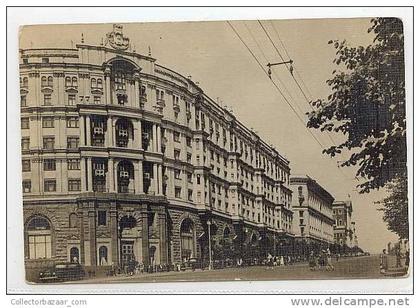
point(250, 150)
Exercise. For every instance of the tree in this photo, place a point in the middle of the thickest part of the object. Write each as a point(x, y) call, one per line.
point(395, 207)
point(367, 105)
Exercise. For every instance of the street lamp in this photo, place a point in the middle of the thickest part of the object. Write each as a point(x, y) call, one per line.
point(209, 231)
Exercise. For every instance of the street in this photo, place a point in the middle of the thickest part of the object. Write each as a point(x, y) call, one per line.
point(354, 268)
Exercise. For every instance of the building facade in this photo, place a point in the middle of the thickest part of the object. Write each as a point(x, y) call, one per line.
point(313, 222)
point(125, 159)
point(343, 227)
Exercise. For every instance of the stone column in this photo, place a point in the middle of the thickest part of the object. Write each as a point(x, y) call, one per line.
point(88, 131)
point(92, 232)
point(136, 90)
point(159, 142)
point(145, 235)
point(163, 241)
point(110, 132)
point(138, 177)
point(160, 180)
point(89, 174)
point(114, 232)
point(83, 174)
point(154, 137)
point(110, 176)
point(81, 214)
point(155, 178)
point(137, 134)
point(82, 130)
point(108, 99)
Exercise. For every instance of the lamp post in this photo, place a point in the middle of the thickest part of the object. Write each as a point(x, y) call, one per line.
point(209, 231)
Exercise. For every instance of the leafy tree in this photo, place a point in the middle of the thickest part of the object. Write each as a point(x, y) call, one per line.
point(367, 105)
point(395, 207)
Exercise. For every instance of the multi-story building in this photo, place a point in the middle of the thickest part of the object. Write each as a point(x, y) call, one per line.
point(343, 224)
point(124, 159)
point(313, 221)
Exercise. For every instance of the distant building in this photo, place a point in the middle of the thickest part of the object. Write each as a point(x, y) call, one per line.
point(313, 217)
point(344, 227)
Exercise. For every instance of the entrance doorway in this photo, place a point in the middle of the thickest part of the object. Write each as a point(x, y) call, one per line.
point(127, 252)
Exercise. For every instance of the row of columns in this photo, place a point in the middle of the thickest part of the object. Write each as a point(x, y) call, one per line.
point(86, 133)
point(87, 174)
point(90, 241)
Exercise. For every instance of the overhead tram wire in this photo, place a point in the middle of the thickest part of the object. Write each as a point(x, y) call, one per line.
point(300, 88)
point(288, 55)
point(266, 59)
point(294, 78)
point(276, 86)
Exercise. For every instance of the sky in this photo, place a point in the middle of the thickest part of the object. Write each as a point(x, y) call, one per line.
point(215, 57)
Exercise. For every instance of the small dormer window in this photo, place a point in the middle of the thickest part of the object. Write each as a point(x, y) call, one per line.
point(45, 60)
point(25, 60)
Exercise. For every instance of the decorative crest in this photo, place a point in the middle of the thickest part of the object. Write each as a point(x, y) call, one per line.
point(116, 38)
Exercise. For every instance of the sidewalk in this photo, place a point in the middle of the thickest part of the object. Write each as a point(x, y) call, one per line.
point(393, 270)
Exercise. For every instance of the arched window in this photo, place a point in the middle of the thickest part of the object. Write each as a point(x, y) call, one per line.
point(73, 220)
point(226, 233)
point(74, 255)
point(50, 81)
point(103, 255)
point(25, 82)
point(39, 238)
point(68, 82)
point(187, 239)
point(93, 83)
point(43, 81)
point(99, 83)
point(74, 82)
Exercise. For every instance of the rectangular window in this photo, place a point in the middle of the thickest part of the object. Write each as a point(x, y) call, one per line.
point(49, 185)
point(74, 184)
point(25, 143)
point(177, 192)
point(72, 122)
point(48, 143)
point(23, 101)
point(73, 164)
point(26, 165)
point(47, 100)
point(188, 141)
point(45, 60)
point(189, 177)
point(177, 174)
point(71, 100)
point(190, 195)
point(26, 186)
point(177, 154)
point(49, 164)
point(48, 122)
point(189, 158)
point(97, 100)
point(24, 123)
point(101, 218)
point(177, 137)
point(72, 142)
point(198, 179)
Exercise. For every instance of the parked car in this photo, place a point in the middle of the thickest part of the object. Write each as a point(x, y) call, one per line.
point(62, 272)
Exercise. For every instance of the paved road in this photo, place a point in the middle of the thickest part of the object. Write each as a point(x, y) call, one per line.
point(354, 268)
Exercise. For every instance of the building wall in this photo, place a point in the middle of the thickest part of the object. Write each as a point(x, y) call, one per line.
point(100, 122)
point(312, 207)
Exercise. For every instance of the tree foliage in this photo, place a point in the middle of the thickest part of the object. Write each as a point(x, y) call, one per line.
point(367, 105)
point(395, 207)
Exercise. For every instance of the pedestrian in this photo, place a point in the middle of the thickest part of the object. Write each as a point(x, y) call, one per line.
point(407, 259)
point(330, 266)
point(383, 261)
point(281, 260)
point(312, 261)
